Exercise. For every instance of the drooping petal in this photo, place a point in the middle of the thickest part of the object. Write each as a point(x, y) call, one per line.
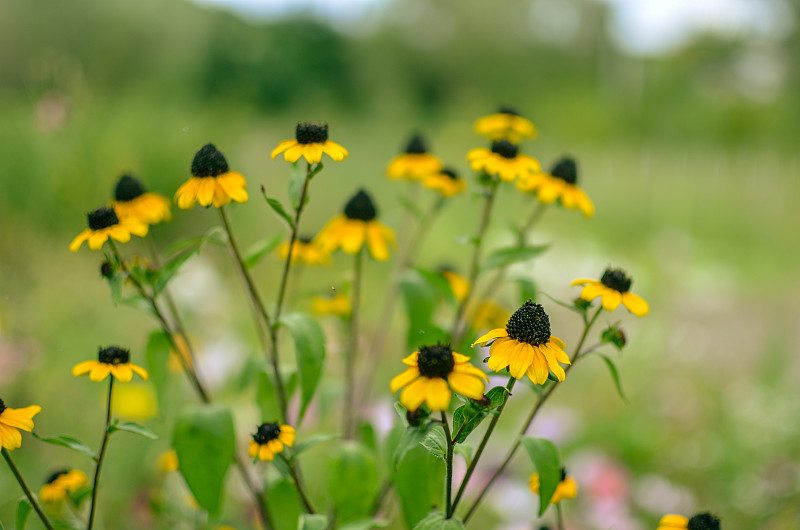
point(552, 362)
point(635, 304)
point(122, 372)
point(412, 360)
point(283, 146)
point(414, 394)
point(20, 418)
point(438, 394)
point(141, 371)
point(494, 334)
point(97, 238)
point(10, 437)
point(99, 372)
point(205, 190)
point(466, 385)
point(500, 353)
point(79, 239)
point(353, 234)
point(265, 454)
point(592, 291)
point(583, 281)
point(120, 233)
point(294, 153)
point(287, 435)
point(335, 151)
point(313, 153)
point(84, 367)
point(519, 360)
point(468, 369)
point(276, 446)
point(537, 371)
point(378, 248)
point(252, 450)
point(611, 299)
point(405, 378)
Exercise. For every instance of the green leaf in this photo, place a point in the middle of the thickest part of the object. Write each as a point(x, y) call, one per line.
point(308, 443)
point(411, 438)
point(310, 521)
point(157, 355)
point(205, 442)
point(465, 450)
point(214, 236)
point(353, 481)
point(23, 510)
point(504, 257)
point(132, 427)
point(260, 249)
point(277, 207)
point(420, 301)
point(614, 375)
point(309, 345)
point(296, 185)
point(267, 396)
point(436, 521)
point(471, 414)
point(69, 442)
point(364, 524)
point(439, 283)
point(544, 456)
point(418, 482)
point(411, 206)
point(436, 443)
point(367, 436)
point(282, 495)
point(171, 267)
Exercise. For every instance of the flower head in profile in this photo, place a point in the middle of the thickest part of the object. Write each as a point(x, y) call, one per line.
point(525, 346)
point(566, 489)
point(562, 184)
point(212, 182)
point(110, 360)
point(459, 285)
point(104, 223)
point(270, 439)
point(61, 485)
point(505, 124)
point(700, 521)
point(433, 374)
point(14, 420)
point(311, 140)
point(337, 304)
point(304, 250)
point(614, 288)
point(415, 163)
point(131, 200)
point(503, 160)
point(357, 225)
point(447, 182)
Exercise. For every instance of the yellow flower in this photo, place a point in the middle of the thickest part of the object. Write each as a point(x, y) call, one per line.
point(111, 360)
point(62, 484)
point(700, 521)
point(489, 315)
point(446, 182)
point(613, 287)
point(355, 226)
point(103, 224)
point(311, 140)
point(415, 163)
point(11, 421)
point(503, 160)
point(433, 374)
point(566, 489)
point(304, 250)
point(525, 346)
point(458, 284)
point(338, 305)
point(137, 402)
point(168, 461)
point(131, 200)
point(505, 124)
point(270, 440)
point(561, 184)
point(212, 182)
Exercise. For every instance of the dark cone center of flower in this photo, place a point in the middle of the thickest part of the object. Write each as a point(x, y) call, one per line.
point(54, 476)
point(2, 406)
point(566, 169)
point(416, 145)
point(435, 361)
point(450, 173)
point(208, 162)
point(507, 110)
point(128, 188)
point(529, 324)
point(704, 521)
point(360, 207)
point(505, 149)
point(102, 218)
point(616, 279)
point(311, 133)
point(113, 355)
point(267, 432)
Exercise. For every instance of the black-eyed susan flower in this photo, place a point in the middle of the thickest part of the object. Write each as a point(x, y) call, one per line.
point(131, 200)
point(355, 226)
point(566, 489)
point(305, 250)
point(270, 439)
point(700, 521)
point(613, 287)
point(433, 374)
point(110, 360)
point(447, 182)
point(415, 163)
point(459, 285)
point(525, 346)
point(338, 305)
point(311, 140)
point(562, 184)
point(61, 485)
point(14, 420)
point(503, 160)
point(103, 224)
point(212, 182)
point(505, 124)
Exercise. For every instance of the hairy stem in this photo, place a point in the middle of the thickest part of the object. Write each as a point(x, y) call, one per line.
point(449, 461)
point(101, 455)
point(24, 486)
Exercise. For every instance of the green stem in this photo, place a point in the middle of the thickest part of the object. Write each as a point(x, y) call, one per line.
point(449, 461)
point(260, 498)
point(298, 485)
point(559, 516)
point(24, 486)
point(101, 455)
point(482, 446)
point(352, 349)
point(529, 420)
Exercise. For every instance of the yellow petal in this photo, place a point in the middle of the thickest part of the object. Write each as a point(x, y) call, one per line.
point(294, 153)
point(84, 367)
point(583, 281)
point(611, 299)
point(10, 438)
point(635, 304)
point(97, 238)
point(335, 151)
point(20, 418)
point(439, 394)
point(265, 454)
point(412, 360)
point(520, 359)
point(460, 358)
point(79, 239)
point(592, 291)
point(205, 190)
point(495, 333)
point(252, 450)
point(313, 153)
point(353, 236)
point(467, 385)
point(500, 353)
point(276, 446)
point(405, 378)
point(99, 372)
point(283, 146)
point(122, 372)
point(537, 371)
point(414, 394)
point(139, 370)
point(377, 246)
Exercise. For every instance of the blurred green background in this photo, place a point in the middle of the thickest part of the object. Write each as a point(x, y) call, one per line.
point(689, 154)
